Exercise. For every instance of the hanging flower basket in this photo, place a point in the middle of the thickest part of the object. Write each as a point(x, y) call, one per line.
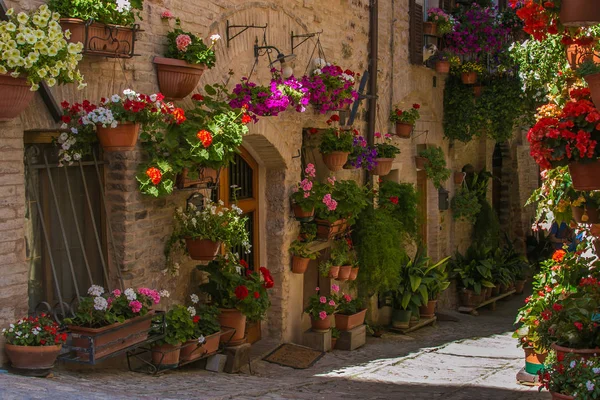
point(430, 28)
point(459, 177)
point(442, 67)
point(403, 130)
point(579, 13)
point(302, 215)
point(15, 98)
point(383, 167)
point(593, 82)
point(202, 249)
point(100, 39)
point(233, 318)
point(468, 78)
point(421, 162)
point(354, 274)
point(586, 215)
point(32, 357)
point(344, 273)
point(122, 138)
point(299, 264)
point(335, 161)
point(585, 175)
point(177, 78)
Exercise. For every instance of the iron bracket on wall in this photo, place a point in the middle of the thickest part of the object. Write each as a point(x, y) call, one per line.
point(304, 38)
point(243, 28)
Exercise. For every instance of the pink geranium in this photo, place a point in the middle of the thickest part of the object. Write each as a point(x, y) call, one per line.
point(116, 292)
point(135, 306)
point(310, 170)
point(167, 15)
point(347, 297)
point(335, 288)
point(332, 303)
point(183, 41)
point(322, 315)
point(323, 299)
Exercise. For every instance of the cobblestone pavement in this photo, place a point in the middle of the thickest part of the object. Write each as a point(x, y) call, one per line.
point(475, 358)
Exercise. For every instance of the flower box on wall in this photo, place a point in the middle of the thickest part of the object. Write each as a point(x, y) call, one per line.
point(113, 41)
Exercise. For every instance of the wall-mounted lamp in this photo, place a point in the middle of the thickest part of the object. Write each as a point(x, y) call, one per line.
point(284, 60)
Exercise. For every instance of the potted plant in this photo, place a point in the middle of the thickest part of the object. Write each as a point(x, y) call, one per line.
point(320, 308)
point(104, 28)
point(350, 312)
point(459, 177)
point(301, 256)
point(33, 343)
point(113, 320)
point(207, 331)
point(474, 274)
point(238, 292)
point(405, 120)
point(436, 281)
point(469, 72)
point(204, 230)
point(590, 71)
point(443, 61)
point(75, 140)
point(335, 147)
point(411, 292)
point(465, 205)
point(335, 335)
point(340, 204)
point(308, 232)
point(527, 333)
point(435, 166)
point(386, 153)
point(331, 87)
point(304, 196)
point(438, 22)
point(20, 77)
point(362, 155)
point(185, 60)
point(179, 329)
point(329, 270)
point(572, 378)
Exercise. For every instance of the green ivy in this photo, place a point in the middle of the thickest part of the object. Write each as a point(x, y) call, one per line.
point(400, 200)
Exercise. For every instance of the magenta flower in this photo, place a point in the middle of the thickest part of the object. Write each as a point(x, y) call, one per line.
point(310, 170)
point(335, 288)
point(116, 292)
point(323, 299)
point(322, 315)
point(135, 306)
point(182, 42)
point(317, 289)
point(332, 303)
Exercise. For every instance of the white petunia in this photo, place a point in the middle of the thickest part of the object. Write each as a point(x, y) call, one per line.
point(130, 294)
point(94, 290)
point(215, 37)
point(192, 311)
point(165, 293)
point(194, 298)
point(115, 98)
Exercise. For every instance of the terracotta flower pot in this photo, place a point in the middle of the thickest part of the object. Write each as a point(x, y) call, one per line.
point(344, 273)
point(300, 214)
point(15, 98)
point(299, 264)
point(320, 325)
point(122, 138)
point(335, 161)
point(428, 311)
point(430, 28)
point(468, 78)
point(421, 162)
point(348, 322)
point(253, 331)
point(383, 167)
point(469, 298)
point(579, 13)
point(442, 67)
point(333, 343)
point(593, 82)
point(192, 349)
point(177, 78)
point(166, 355)
point(558, 396)
point(334, 271)
point(585, 175)
point(202, 249)
point(354, 274)
point(579, 353)
point(403, 130)
point(112, 338)
point(477, 90)
point(577, 54)
point(102, 39)
point(534, 362)
point(520, 286)
point(327, 230)
point(232, 318)
point(401, 319)
point(488, 293)
point(414, 320)
point(459, 177)
point(32, 357)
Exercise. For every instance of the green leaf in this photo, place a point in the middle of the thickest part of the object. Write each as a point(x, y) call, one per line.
point(210, 90)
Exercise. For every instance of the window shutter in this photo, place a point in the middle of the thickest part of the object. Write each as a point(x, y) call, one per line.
point(416, 33)
point(446, 5)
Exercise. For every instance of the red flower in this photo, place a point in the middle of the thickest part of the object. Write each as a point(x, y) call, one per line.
point(394, 199)
point(269, 282)
point(313, 131)
point(65, 104)
point(154, 174)
point(66, 119)
point(241, 292)
point(559, 255)
point(546, 314)
point(244, 264)
point(179, 115)
point(246, 119)
point(416, 106)
point(197, 97)
point(256, 295)
point(557, 307)
point(42, 342)
point(335, 118)
point(196, 319)
point(205, 137)
point(578, 325)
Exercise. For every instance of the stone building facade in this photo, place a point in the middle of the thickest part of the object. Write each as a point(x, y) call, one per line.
point(141, 225)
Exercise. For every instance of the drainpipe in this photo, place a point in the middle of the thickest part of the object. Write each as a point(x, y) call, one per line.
point(372, 92)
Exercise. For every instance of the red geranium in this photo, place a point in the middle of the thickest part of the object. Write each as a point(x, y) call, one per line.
point(269, 282)
point(241, 292)
point(559, 255)
point(394, 199)
point(154, 174)
point(197, 97)
point(246, 119)
point(256, 295)
point(205, 137)
point(196, 319)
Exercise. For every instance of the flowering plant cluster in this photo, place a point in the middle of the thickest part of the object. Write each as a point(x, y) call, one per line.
point(362, 155)
point(436, 165)
point(40, 330)
point(188, 47)
point(180, 326)
point(320, 306)
point(114, 12)
point(346, 305)
point(301, 249)
point(471, 66)
point(101, 309)
point(205, 319)
point(540, 17)
point(331, 87)
point(305, 192)
point(439, 17)
point(76, 140)
point(291, 90)
point(572, 136)
point(386, 149)
point(572, 376)
point(409, 116)
point(34, 46)
point(233, 284)
point(259, 100)
point(343, 199)
point(336, 139)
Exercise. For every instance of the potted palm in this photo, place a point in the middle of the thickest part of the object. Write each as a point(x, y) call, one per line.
point(411, 292)
point(335, 147)
point(386, 153)
point(185, 60)
point(207, 331)
point(33, 343)
point(435, 165)
point(301, 256)
point(350, 312)
point(179, 329)
point(320, 308)
point(405, 120)
point(304, 196)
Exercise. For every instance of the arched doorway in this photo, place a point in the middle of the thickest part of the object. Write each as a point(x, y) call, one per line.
point(239, 185)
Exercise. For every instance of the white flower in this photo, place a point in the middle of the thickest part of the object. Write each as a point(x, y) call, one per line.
point(201, 339)
point(22, 18)
point(130, 294)
point(573, 364)
point(74, 130)
point(76, 156)
point(194, 298)
point(115, 98)
point(94, 290)
point(215, 37)
point(123, 5)
point(10, 12)
point(192, 311)
point(100, 303)
point(238, 269)
point(153, 98)
point(164, 293)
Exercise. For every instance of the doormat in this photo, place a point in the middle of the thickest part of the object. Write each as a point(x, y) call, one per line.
point(294, 356)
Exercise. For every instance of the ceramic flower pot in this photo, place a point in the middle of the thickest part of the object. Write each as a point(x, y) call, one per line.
point(233, 318)
point(579, 353)
point(430, 28)
point(177, 78)
point(428, 311)
point(193, 349)
point(459, 177)
point(593, 82)
point(15, 98)
point(403, 130)
point(383, 166)
point(520, 286)
point(586, 215)
point(320, 325)
point(32, 357)
point(442, 67)
point(102, 39)
point(421, 162)
point(335, 161)
point(299, 264)
point(354, 274)
point(534, 362)
point(202, 249)
point(334, 272)
point(166, 355)
point(122, 138)
point(344, 273)
point(468, 298)
point(300, 214)
point(468, 78)
point(401, 319)
point(558, 396)
point(585, 175)
point(579, 13)
point(349, 322)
